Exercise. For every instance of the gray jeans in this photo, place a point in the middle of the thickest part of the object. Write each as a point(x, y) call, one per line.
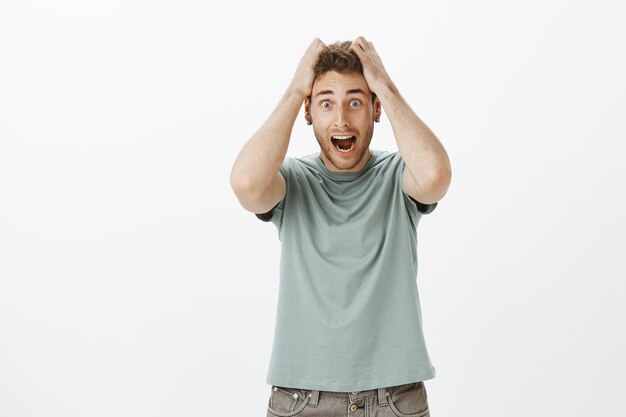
point(408, 400)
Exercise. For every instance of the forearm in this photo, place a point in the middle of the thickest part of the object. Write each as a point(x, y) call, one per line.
point(254, 177)
point(424, 156)
point(260, 158)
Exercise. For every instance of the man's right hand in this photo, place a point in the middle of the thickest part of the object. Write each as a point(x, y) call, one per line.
point(302, 81)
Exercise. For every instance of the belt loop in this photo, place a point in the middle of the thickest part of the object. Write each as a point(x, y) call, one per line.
point(382, 397)
point(315, 396)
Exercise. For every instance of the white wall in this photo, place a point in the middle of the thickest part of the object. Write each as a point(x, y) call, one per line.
point(133, 284)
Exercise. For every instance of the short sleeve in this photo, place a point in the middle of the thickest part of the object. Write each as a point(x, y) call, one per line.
point(266, 217)
point(423, 208)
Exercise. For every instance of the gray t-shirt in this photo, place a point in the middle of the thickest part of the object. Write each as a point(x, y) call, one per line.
point(348, 316)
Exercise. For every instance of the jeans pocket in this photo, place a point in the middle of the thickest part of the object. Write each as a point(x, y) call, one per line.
point(409, 400)
point(287, 402)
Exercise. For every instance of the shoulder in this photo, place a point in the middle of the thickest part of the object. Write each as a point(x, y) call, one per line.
point(299, 165)
point(386, 160)
point(393, 164)
point(384, 157)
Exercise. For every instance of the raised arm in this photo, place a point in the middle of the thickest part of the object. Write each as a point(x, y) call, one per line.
point(428, 172)
point(255, 178)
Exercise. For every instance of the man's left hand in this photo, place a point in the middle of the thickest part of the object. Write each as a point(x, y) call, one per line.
point(373, 70)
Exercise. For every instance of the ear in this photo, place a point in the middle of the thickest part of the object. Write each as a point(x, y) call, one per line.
point(377, 108)
point(307, 109)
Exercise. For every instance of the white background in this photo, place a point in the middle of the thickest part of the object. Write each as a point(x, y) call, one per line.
point(133, 284)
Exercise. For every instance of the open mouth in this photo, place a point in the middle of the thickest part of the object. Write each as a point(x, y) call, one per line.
point(343, 143)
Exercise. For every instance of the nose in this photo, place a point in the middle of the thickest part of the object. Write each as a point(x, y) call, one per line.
point(341, 120)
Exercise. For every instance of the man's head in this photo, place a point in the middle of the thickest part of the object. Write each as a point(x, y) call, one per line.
point(342, 109)
point(338, 57)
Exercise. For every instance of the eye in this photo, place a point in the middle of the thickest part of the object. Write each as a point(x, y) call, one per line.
point(325, 104)
point(355, 103)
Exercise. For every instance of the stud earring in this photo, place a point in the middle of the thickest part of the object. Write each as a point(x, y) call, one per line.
point(309, 122)
point(377, 120)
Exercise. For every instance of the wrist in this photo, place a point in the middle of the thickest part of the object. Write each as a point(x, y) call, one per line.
point(385, 89)
point(296, 90)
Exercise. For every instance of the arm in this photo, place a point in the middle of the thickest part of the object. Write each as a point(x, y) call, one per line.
point(428, 172)
point(255, 178)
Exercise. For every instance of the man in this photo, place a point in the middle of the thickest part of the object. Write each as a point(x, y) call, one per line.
point(348, 336)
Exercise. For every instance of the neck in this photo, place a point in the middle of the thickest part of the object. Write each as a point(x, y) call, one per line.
point(331, 167)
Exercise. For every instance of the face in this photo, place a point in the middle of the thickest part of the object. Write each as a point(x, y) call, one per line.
point(343, 114)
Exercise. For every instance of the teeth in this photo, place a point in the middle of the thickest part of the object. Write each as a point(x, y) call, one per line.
point(337, 138)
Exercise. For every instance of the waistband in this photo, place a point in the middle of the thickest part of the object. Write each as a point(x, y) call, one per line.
point(313, 396)
point(351, 396)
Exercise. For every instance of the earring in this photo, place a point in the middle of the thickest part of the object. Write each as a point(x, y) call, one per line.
point(309, 122)
point(377, 120)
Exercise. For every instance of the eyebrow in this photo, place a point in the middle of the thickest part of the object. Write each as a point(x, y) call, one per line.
point(331, 92)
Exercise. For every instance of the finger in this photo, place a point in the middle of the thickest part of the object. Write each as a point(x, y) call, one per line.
point(312, 45)
point(316, 44)
point(320, 43)
point(355, 45)
point(367, 47)
point(362, 43)
point(314, 50)
point(359, 52)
